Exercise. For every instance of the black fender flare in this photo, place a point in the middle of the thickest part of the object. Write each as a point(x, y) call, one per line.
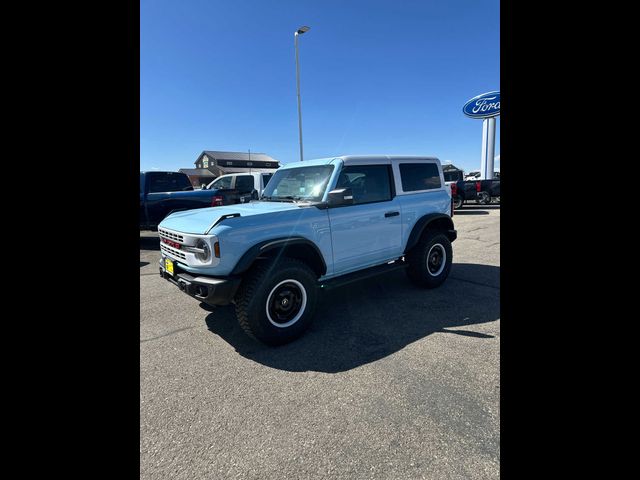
point(261, 248)
point(444, 223)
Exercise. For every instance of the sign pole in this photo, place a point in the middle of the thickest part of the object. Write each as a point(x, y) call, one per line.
point(488, 148)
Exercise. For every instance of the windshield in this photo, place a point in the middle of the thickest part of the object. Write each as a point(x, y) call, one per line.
point(300, 183)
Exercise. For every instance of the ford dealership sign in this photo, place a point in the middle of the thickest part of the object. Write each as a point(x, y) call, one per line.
point(483, 106)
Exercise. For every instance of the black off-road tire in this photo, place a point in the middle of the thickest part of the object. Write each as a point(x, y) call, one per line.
point(268, 281)
point(458, 202)
point(483, 198)
point(431, 244)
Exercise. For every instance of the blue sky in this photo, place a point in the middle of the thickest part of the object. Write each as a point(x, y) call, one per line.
point(386, 77)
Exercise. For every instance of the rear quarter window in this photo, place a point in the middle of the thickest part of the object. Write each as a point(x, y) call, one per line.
point(419, 176)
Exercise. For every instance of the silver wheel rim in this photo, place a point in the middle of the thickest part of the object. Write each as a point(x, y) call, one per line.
point(436, 259)
point(303, 293)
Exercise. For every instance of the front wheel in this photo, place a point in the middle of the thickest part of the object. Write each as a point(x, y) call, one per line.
point(276, 301)
point(430, 260)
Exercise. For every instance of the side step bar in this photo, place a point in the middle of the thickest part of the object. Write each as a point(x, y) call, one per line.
point(362, 274)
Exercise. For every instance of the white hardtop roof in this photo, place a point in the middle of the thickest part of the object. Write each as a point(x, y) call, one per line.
point(360, 159)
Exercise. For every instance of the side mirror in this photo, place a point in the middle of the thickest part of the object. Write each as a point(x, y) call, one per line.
point(339, 197)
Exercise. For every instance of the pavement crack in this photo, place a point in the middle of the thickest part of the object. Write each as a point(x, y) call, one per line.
point(166, 334)
point(475, 283)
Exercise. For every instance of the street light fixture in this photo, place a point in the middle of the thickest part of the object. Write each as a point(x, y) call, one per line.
point(300, 31)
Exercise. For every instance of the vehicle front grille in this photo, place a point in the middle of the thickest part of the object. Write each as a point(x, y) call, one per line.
point(167, 250)
point(171, 235)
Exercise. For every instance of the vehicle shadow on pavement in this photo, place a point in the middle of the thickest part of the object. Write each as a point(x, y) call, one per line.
point(470, 212)
point(149, 243)
point(372, 319)
point(467, 206)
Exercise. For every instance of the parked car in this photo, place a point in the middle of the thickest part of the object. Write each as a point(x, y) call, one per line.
point(482, 192)
point(475, 175)
point(452, 178)
point(319, 223)
point(162, 193)
point(487, 191)
point(239, 187)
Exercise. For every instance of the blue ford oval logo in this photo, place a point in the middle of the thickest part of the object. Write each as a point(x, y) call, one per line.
point(483, 106)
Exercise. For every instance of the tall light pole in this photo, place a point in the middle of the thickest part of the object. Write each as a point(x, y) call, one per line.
point(300, 31)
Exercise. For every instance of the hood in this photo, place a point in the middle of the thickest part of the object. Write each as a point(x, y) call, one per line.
point(200, 220)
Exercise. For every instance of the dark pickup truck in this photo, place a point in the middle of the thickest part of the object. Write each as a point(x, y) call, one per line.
point(162, 193)
point(482, 191)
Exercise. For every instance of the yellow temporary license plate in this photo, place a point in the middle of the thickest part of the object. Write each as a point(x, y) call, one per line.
point(168, 265)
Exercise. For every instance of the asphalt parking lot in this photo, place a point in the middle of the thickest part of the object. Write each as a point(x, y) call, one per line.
point(390, 382)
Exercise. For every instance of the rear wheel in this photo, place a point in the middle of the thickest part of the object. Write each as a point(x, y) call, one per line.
point(276, 301)
point(483, 198)
point(430, 260)
point(457, 203)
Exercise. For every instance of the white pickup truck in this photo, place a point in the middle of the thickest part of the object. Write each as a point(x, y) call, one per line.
point(239, 187)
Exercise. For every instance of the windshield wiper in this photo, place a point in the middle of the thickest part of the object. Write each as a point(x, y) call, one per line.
point(284, 198)
point(271, 198)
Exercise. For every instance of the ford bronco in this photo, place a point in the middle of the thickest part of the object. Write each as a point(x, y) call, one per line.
point(319, 223)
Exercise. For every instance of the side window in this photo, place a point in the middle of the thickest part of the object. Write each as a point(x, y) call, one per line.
point(244, 183)
point(266, 177)
point(453, 176)
point(169, 182)
point(419, 176)
point(222, 183)
point(369, 183)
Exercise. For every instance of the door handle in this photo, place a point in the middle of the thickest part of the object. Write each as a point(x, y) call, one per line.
point(391, 214)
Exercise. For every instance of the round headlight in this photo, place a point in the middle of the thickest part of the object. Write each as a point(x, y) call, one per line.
point(206, 254)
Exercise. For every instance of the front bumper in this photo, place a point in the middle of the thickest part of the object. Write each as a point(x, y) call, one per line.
point(210, 290)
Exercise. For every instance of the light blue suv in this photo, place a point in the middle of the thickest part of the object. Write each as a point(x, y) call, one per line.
point(318, 223)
